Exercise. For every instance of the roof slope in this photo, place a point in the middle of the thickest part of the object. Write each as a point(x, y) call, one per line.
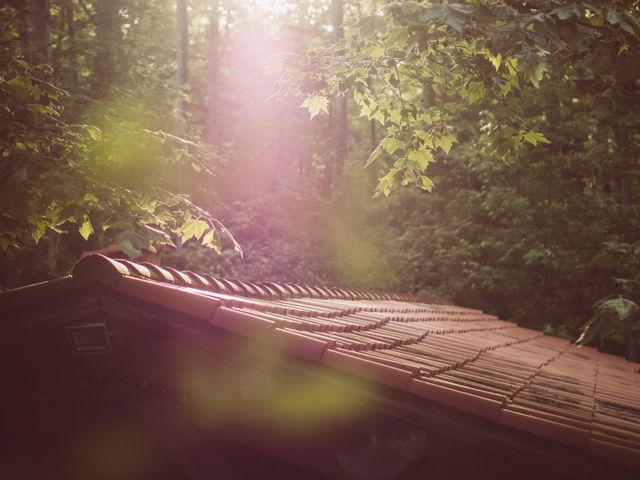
point(455, 356)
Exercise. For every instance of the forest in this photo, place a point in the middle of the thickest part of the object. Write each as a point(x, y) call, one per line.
point(485, 151)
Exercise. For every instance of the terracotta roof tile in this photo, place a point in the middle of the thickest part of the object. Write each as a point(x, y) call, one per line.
point(300, 345)
point(455, 356)
point(238, 320)
point(380, 373)
point(462, 399)
point(168, 296)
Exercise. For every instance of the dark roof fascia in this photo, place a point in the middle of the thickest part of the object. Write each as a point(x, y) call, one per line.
point(29, 295)
point(515, 443)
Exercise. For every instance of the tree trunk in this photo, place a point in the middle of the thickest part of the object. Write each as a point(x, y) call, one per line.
point(623, 139)
point(40, 35)
point(182, 27)
point(339, 111)
point(212, 86)
point(58, 53)
point(72, 52)
point(23, 31)
point(107, 38)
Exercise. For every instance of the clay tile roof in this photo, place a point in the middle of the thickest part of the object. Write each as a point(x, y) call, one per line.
point(453, 356)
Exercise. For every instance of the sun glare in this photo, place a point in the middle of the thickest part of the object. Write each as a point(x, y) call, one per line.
point(273, 8)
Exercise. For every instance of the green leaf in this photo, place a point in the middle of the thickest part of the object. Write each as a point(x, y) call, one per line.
point(397, 37)
point(90, 198)
point(86, 229)
point(129, 249)
point(474, 91)
point(212, 240)
point(316, 104)
point(395, 115)
point(372, 24)
point(445, 141)
point(374, 155)
point(534, 138)
point(38, 231)
point(426, 183)
point(455, 19)
point(622, 307)
point(391, 144)
point(425, 137)
point(597, 20)
point(387, 184)
point(608, 315)
point(192, 228)
point(94, 132)
point(496, 61)
point(374, 51)
point(421, 158)
point(537, 74)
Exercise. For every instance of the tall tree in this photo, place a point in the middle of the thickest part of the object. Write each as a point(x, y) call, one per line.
point(213, 69)
point(107, 39)
point(40, 30)
point(339, 112)
point(72, 51)
point(182, 72)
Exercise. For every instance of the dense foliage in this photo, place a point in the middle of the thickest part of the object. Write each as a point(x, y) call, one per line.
point(518, 122)
point(101, 156)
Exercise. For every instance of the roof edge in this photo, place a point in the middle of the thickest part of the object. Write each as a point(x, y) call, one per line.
point(96, 268)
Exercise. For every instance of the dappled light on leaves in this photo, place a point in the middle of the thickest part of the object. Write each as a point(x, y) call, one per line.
point(514, 126)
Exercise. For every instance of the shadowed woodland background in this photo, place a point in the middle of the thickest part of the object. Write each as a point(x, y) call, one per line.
point(122, 121)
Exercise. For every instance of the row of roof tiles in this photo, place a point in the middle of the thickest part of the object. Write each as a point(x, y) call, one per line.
point(264, 290)
point(455, 356)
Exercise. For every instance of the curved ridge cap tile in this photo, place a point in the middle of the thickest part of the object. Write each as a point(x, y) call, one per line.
point(314, 292)
point(292, 292)
point(216, 284)
point(251, 289)
point(248, 288)
point(307, 292)
point(272, 291)
point(295, 290)
point(199, 279)
point(236, 286)
point(231, 287)
point(98, 268)
point(137, 268)
point(181, 278)
point(279, 288)
point(260, 290)
point(343, 294)
point(280, 291)
point(163, 275)
point(324, 292)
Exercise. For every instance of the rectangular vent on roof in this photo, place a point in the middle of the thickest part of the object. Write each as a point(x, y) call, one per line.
point(89, 338)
